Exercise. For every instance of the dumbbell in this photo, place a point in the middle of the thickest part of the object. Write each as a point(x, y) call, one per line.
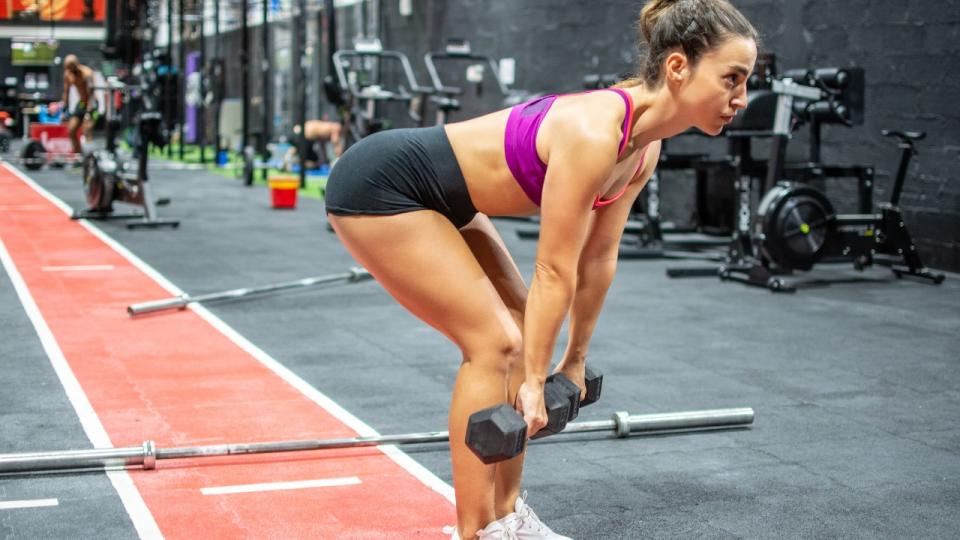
point(499, 433)
point(593, 379)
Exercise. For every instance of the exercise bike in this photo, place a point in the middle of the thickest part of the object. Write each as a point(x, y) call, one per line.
point(361, 86)
point(107, 177)
point(446, 96)
point(797, 227)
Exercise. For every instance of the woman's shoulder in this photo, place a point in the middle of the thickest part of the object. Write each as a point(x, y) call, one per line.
point(593, 116)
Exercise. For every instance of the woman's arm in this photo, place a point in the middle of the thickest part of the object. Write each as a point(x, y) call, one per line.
point(598, 263)
point(578, 166)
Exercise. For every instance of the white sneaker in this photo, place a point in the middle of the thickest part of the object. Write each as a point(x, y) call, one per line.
point(528, 525)
point(495, 530)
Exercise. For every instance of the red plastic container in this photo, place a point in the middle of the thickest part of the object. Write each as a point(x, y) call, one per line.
point(283, 191)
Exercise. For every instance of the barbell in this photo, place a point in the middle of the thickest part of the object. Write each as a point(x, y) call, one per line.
point(355, 275)
point(145, 456)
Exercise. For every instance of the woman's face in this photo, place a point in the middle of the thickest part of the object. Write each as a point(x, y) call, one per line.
point(717, 88)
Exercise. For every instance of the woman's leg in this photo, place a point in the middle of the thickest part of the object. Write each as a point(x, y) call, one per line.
point(488, 247)
point(423, 261)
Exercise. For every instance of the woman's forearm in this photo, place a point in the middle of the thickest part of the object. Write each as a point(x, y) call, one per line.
point(593, 282)
point(548, 301)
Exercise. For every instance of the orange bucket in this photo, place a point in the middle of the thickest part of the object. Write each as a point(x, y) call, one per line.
point(283, 191)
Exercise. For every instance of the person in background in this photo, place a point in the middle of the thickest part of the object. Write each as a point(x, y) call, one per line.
point(81, 77)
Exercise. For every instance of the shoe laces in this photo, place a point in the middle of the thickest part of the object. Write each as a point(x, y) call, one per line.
point(528, 516)
point(507, 533)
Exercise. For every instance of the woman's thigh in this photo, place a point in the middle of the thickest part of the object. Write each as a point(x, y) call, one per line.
point(490, 251)
point(423, 261)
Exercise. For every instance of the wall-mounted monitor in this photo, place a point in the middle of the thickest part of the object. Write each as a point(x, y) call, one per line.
point(33, 52)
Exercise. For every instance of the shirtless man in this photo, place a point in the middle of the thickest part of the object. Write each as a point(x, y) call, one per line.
point(316, 131)
point(80, 76)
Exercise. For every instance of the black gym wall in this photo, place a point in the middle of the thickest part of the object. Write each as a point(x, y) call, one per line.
point(909, 49)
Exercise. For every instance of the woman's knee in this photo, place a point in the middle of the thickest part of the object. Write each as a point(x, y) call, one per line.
point(497, 350)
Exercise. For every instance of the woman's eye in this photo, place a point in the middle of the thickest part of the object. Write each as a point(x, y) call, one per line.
point(732, 79)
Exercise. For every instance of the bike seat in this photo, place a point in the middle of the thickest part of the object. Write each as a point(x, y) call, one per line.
point(904, 135)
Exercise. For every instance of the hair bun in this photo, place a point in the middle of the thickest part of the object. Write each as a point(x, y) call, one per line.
point(651, 13)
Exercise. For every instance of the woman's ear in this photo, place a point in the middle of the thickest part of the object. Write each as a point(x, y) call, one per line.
point(677, 68)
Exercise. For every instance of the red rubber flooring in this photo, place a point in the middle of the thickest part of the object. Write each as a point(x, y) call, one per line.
point(179, 381)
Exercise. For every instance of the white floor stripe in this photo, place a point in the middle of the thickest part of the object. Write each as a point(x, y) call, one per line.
point(139, 514)
point(35, 503)
point(398, 456)
point(80, 268)
point(282, 486)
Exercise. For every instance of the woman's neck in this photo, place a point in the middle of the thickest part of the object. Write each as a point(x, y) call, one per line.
point(656, 115)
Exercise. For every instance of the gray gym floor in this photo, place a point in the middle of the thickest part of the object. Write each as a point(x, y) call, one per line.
point(856, 386)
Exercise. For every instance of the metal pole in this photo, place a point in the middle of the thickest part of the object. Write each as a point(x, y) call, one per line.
point(245, 93)
point(300, 86)
point(179, 302)
point(218, 72)
point(265, 120)
point(182, 73)
point(146, 455)
point(330, 12)
point(202, 112)
point(166, 99)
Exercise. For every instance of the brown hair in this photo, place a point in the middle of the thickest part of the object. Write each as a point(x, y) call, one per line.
point(694, 27)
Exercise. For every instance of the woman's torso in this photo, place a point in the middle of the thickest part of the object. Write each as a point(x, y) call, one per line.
point(479, 147)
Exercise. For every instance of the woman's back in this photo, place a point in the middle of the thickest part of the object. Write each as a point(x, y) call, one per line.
point(479, 146)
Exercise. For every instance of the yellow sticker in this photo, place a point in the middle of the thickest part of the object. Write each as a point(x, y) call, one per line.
point(804, 228)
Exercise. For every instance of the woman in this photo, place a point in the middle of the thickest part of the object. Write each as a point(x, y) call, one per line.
point(412, 206)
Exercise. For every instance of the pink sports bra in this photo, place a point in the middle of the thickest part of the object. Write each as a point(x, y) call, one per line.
point(520, 145)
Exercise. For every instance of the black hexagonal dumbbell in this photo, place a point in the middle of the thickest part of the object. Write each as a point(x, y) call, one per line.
point(496, 433)
point(558, 399)
point(570, 390)
point(593, 379)
point(499, 433)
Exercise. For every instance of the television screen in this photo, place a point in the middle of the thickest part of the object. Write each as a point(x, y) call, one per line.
point(33, 52)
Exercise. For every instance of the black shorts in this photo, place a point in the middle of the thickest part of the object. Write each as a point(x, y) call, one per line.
point(79, 111)
point(310, 147)
point(397, 171)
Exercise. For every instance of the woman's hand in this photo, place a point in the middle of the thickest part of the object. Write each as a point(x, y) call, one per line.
point(530, 405)
point(576, 373)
